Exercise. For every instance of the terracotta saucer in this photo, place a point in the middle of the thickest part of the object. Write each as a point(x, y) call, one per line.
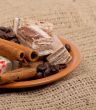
point(71, 66)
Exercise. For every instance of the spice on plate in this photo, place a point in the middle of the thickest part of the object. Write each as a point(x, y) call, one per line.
point(15, 51)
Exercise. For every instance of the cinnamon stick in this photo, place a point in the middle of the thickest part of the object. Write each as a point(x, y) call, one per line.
point(10, 52)
point(30, 54)
point(19, 74)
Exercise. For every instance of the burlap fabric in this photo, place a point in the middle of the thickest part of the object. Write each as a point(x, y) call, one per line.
point(75, 20)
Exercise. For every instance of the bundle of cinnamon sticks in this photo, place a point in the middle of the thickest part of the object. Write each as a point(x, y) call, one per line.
point(15, 51)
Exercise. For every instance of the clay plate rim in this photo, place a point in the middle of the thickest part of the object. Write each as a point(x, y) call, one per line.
point(71, 66)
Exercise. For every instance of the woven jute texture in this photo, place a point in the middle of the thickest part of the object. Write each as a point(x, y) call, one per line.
point(75, 20)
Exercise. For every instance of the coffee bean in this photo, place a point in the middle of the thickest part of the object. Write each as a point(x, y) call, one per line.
point(47, 72)
point(57, 67)
point(54, 69)
point(15, 40)
point(2, 34)
point(44, 68)
point(9, 30)
point(47, 64)
point(5, 29)
point(62, 66)
point(2, 37)
point(39, 75)
point(2, 28)
point(68, 47)
point(41, 68)
point(10, 36)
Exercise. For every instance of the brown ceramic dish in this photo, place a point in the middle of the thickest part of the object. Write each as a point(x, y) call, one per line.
point(71, 66)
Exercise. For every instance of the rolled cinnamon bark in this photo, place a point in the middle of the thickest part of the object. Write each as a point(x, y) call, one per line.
point(10, 52)
point(17, 75)
point(30, 54)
